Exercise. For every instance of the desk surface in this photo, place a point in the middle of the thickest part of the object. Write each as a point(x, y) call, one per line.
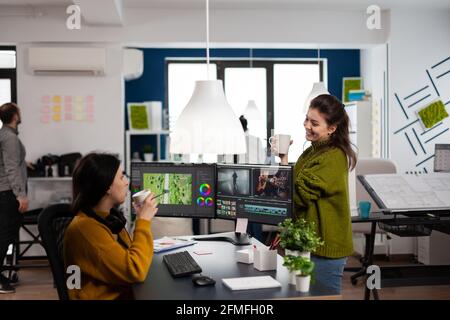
point(160, 285)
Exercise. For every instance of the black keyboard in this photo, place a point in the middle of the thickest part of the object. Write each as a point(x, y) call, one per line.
point(181, 264)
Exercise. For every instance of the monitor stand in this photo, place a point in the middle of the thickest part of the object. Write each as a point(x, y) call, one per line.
point(236, 238)
point(239, 237)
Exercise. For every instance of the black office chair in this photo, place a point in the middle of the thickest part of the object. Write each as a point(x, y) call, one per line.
point(52, 224)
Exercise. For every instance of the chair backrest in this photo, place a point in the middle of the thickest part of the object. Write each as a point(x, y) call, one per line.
point(52, 224)
point(371, 166)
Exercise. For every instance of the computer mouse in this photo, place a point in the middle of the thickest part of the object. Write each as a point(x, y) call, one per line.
point(203, 281)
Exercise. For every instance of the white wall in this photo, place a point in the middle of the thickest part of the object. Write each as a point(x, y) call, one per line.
point(418, 40)
point(186, 27)
point(105, 133)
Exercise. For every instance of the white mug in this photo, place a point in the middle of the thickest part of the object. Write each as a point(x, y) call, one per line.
point(280, 142)
point(140, 196)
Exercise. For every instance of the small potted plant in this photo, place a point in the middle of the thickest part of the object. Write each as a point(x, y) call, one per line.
point(299, 238)
point(303, 269)
point(148, 154)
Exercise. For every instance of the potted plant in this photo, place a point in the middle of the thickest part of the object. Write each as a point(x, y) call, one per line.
point(303, 269)
point(148, 154)
point(299, 238)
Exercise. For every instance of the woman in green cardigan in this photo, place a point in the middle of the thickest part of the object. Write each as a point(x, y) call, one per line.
point(321, 186)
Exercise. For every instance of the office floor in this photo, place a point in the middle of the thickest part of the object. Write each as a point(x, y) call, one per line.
point(37, 284)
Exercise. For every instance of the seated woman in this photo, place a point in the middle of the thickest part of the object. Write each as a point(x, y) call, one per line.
point(96, 240)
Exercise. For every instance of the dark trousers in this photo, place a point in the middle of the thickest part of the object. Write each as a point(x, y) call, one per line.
point(10, 220)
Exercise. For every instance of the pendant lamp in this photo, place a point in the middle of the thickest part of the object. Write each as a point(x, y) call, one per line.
point(207, 124)
point(317, 89)
point(251, 111)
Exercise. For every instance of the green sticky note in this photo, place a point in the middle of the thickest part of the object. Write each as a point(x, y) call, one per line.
point(139, 117)
point(433, 113)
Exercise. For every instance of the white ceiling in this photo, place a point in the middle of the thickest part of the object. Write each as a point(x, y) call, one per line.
point(252, 4)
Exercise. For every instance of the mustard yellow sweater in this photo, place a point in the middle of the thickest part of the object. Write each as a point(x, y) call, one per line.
point(108, 269)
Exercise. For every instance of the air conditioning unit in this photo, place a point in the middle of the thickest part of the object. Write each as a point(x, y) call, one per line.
point(67, 61)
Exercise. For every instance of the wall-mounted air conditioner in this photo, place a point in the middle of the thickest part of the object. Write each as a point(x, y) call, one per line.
point(67, 60)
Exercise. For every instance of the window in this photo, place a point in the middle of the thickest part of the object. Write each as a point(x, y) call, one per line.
point(7, 75)
point(292, 85)
point(279, 87)
point(242, 85)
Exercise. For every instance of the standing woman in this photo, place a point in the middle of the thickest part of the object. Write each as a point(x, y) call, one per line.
point(321, 186)
point(96, 240)
point(13, 182)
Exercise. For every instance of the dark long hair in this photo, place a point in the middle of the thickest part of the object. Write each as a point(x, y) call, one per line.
point(92, 178)
point(333, 111)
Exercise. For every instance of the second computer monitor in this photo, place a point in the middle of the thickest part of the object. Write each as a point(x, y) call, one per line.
point(188, 190)
point(260, 193)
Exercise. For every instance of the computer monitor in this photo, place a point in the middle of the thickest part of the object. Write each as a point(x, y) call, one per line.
point(189, 188)
point(442, 157)
point(259, 193)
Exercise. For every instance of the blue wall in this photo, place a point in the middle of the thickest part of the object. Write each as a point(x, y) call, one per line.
point(150, 86)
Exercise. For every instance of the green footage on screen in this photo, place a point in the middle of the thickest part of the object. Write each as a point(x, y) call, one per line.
point(433, 113)
point(179, 186)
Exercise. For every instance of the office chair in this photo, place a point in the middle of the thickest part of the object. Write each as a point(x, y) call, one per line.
point(52, 224)
point(368, 166)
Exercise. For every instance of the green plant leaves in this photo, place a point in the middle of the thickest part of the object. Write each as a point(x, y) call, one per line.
point(299, 235)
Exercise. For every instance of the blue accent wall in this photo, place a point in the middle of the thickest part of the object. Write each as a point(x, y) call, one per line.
point(150, 86)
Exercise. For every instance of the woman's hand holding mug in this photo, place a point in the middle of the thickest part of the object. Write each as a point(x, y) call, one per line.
point(279, 145)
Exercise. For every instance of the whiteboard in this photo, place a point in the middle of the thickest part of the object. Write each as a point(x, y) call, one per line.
point(410, 191)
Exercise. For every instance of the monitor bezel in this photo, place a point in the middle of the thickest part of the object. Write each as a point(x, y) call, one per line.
point(176, 164)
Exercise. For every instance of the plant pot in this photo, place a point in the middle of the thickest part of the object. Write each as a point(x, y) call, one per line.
point(296, 253)
point(302, 283)
point(148, 157)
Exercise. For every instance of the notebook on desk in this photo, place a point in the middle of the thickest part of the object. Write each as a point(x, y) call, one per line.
point(247, 283)
point(167, 243)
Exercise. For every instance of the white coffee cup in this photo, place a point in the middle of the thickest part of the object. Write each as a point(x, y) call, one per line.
point(140, 196)
point(280, 142)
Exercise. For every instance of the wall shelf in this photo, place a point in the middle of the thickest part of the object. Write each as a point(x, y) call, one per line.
point(159, 153)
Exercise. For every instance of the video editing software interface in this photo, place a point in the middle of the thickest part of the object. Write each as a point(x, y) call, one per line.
point(260, 193)
point(190, 188)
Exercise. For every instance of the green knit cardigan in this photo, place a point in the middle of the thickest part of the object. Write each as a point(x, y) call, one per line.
point(321, 196)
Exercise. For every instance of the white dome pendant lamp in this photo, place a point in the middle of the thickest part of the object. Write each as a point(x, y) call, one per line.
point(251, 111)
point(207, 124)
point(317, 89)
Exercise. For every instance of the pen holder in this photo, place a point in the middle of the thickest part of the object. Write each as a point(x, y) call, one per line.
point(265, 259)
point(245, 256)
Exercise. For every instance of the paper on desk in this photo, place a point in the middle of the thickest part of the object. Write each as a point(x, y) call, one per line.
point(247, 283)
point(167, 243)
point(241, 225)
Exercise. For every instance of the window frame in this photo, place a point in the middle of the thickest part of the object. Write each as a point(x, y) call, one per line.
point(268, 63)
point(10, 73)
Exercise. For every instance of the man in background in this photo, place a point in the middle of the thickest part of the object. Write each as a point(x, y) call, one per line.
point(13, 181)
